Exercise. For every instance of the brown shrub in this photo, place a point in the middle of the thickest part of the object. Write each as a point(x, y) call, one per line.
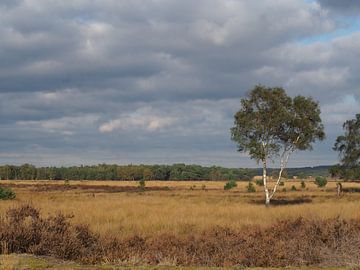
point(286, 243)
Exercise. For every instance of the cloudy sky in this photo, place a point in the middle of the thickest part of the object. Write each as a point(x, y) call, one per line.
point(158, 81)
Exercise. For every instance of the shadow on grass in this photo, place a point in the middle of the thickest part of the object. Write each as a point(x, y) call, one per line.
point(279, 202)
point(351, 190)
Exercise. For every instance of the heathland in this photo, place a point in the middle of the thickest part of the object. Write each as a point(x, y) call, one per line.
point(185, 223)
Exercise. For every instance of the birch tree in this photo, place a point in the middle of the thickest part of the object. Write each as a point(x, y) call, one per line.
point(271, 125)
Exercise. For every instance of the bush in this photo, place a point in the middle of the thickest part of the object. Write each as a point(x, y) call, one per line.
point(141, 185)
point(293, 188)
point(250, 187)
point(320, 181)
point(259, 182)
point(231, 184)
point(7, 194)
point(303, 185)
point(284, 189)
point(282, 183)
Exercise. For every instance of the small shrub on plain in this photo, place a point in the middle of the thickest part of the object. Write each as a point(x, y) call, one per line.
point(7, 194)
point(229, 185)
point(259, 182)
point(303, 185)
point(141, 185)
point(251, 187)
point(320, 181)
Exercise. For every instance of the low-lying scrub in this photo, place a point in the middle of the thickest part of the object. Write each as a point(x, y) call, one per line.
point(7, 194)
point(286, 243)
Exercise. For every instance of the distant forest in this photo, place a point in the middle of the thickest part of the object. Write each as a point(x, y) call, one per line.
point(147, 172)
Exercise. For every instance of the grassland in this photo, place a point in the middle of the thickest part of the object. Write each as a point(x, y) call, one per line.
point(117, 208)
point(29, 262)
point(178, 224)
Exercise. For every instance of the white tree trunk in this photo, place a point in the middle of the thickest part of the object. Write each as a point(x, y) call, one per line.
point(267, 197)
point(283, 163)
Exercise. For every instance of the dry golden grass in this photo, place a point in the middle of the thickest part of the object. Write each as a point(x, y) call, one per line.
point(182, 209)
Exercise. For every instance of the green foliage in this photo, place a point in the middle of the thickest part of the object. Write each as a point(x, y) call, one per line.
point(293, 188)
point(320, 181)
point(229, 185)
point(138, 172)
point(301, 175)
point(7, 194)
point(251, 187)
point(141, 185)
point(27, 171)
point(259, 182)
point(269, 119)
point(126, 172)
point(303, 185)
point(348, 146)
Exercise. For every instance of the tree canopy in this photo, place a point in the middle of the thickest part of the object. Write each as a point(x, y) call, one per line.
point(270, 124)
point(348, 146)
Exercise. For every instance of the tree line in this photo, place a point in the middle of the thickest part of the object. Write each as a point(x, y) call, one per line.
point(180, 172)
point(125, 172)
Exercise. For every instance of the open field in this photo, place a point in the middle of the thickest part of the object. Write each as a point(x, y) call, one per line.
point(117, 208)
point(185, 206)
point(181, 224)
point(21, 262)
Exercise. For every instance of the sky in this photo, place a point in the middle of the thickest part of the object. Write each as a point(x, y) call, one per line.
point(159, 81)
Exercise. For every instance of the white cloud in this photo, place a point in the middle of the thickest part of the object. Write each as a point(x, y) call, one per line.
point(140, 120)
point(65, 125)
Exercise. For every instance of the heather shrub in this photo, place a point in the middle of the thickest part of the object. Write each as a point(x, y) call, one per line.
point(293, 188)
point(320, 181)
point(7, 194)
point(251, 187)
point(259, 182)
point(292, 242)
point(303, 185)
point(141, 185)
point(229, 185)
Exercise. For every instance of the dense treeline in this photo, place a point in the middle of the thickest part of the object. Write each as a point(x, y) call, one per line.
point(345, 172)
point(124, 172)
point(146, 172)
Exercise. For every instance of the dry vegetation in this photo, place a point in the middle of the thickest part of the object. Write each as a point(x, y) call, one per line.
point(184, 208)
point(184, 223)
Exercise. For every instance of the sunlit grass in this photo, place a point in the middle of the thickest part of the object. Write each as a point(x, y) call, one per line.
point(186, 207)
